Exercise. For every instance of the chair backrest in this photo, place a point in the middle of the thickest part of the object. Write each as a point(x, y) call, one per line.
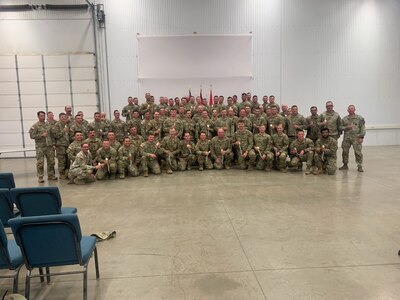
point(4, 256)
point(52, 240)
point(37, 201)
point(7, 180)
point(6, 206)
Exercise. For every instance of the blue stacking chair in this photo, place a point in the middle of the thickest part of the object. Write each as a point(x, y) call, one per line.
point(10, 258)
point(7, 181)
point(39, 201)
point(54, 240)
point(6, 207)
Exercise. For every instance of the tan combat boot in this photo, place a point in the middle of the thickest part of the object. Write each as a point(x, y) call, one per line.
point(344, 167)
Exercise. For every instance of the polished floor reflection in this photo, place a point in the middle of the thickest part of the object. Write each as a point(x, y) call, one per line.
point(237, 234)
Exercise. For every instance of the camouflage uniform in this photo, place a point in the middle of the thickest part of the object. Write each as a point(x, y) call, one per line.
point(136, 140)
point(226, 124)
point(120, 129)
point(128, 160)
point(327, 161)
point(44, 148)
point(111, 157)
point(94, 145)
point(189, 125)
point(81, 169)
point(296, 160)
point(170, 150)
point(186, 156)
point(313, 128)
point(62, 142)
point(257, 122)
point(205, 125)
point(217, 145)
point(333, 123)
point(247, 123)
point(274, 121)
point(73, 149)
point(245, 137)
point(100, 128)
point(281, 145)
point(148, 107)
point(202, 159)
point(156, 129)
point(128, 110)
point(134, 123)
point(291, 121)
point(78, 127)
point(148, 162)
point(169, 123)
point(116, 145)
point(145, 128)
point(351, 137)
point(264, 142)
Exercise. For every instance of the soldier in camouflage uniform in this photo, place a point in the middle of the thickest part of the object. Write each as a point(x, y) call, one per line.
point(204, 125)
point(113, 142)
point(203, 150)
point(281, 145)
point(136, 121)
point(149, 151)
point(119, 127)
point(258, 120)
point(170, 150)
point(128, 159)
point(294, 121)
point(149, 106)
point(301, 150)
point(189, 125)
point(136, 138)
point(274, 120)
point(331, 120)
point(61, 135)
point(243, 117)
point(94, 143)
point(325, 153)
point(172, 122)
point(186, 156)
point(81, 170)
point(263, 148)
point(128, 110)
point(40, 132)
point(221, 150)
point(312, 125)
point(75, 147)
point(107, 156)
point(354, 132)
point(145, 125)
point(243, 140)
point(225, 123)
point(78, 125)
point(156, 127)
point(99, 126)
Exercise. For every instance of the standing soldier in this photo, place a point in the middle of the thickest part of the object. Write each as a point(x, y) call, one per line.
point(128, 159)
point(170, 150)
point(99, 126)
point(81, 168)
point(203, 150)
point(263, 148)
point(331, 120)
point(294, 121)
point(281, 145)
point(301, 150)
point(146, 125)
point(354, 132)
point(172, 122)
point(61, 135)
point(204, 125)
point(135, 121)
point(258, 120)
point(75, 147)
point(149, 151)
point(221, 150)
point(189, 125)
point(113, 142)
point(325, 153)
point(119, 127)
point(94, 143)
point(156, 127)
point(243, 140)
point(107, 156)
point(312, 125)
point(274, 120)
point(186, 156)
point(128, 110)
point(77, 125)
point(40, 132)
point(136, 138)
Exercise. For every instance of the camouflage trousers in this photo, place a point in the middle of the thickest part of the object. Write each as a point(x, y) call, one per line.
point(205, 161)
point(41, 154)
point(103, 172)
point(150, 163)
point(346, 144)
point(250, 158)
point(186, 162)
point(328, 163)
point(62, 158)
point(280, 160)
point(171, 162)
point(126, 167)
point(219, 164)
point(81, 174)
point(297, 160)
point(266, 163)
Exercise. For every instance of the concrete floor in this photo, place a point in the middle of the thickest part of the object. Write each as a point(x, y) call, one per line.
point(238, 234)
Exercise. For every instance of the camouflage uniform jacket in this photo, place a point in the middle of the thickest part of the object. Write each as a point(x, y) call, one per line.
point(306, 145)
point(94, 145)
point(36, 132)
point(169, 144)
point(313, 129)
point(185, 150)
point(357, 129)
point(202, 146)
point(334, 123)
point(329, 144)
point(264, 142)
point(120, 129)
point(129, 154)
point(281, 142)
point(110, 154)
point(60, 135)
point(245, 137)
point(218, 144)
point(73, 149)
point(291, 121)
point(83, 162)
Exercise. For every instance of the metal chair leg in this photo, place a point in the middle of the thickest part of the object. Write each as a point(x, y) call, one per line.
point(27, 284)
point(41, 275)
point(96, 263)
point(48, 274)
point(15, 281)
point(85, 284)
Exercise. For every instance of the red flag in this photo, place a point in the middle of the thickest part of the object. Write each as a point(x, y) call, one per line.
point(211, 98)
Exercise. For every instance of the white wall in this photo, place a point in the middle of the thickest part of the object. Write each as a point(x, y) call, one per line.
point(304, 51)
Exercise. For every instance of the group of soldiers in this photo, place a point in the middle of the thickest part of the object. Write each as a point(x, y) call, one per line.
point(180, 133)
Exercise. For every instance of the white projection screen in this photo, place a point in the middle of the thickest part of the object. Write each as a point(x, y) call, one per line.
point(170, 65)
